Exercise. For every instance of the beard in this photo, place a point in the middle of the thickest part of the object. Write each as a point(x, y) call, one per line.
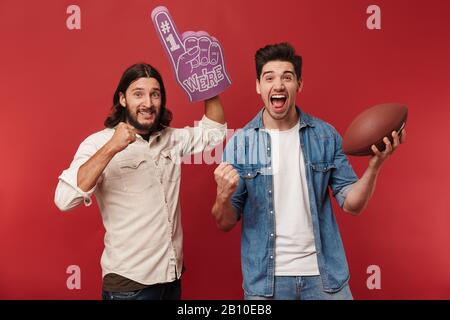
point(150, 128)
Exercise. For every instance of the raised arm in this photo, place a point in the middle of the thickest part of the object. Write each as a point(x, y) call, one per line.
point(214, 110)
point(77, 183)
point(359, 195)
point(91, 170)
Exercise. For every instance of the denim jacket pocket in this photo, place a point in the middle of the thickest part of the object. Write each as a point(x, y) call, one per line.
point(251, 176)
point(321, 173)
point(249, 173)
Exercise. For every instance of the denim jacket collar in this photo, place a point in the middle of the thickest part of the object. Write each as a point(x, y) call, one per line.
point(257, 122)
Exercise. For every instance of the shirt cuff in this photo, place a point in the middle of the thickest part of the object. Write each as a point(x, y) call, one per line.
point(342, 194)
point(208, 123)
point(70, 176)
point(215, 131)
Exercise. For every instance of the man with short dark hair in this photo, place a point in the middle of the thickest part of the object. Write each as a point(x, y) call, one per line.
point(133, 168)
point(275, 177)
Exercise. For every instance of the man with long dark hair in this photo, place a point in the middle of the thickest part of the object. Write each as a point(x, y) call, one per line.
point(133, 168)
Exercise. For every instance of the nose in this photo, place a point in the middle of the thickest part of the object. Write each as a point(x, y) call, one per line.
point(278, 85)
point(147, 101)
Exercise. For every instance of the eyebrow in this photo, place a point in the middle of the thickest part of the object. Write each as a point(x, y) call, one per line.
point(267, 72)
point(142, 89)
point(290, 72)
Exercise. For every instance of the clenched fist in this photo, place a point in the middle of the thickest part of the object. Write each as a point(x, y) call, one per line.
point(123, 136)
point(227, 179)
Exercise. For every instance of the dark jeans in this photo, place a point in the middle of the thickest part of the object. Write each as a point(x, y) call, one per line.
point(160, 291)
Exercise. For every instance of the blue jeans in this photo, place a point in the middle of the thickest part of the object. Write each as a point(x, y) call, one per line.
point(160, 291)
point(303, 288)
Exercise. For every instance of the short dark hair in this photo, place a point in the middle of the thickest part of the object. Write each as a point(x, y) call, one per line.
point(278, 52)
point(132, 73)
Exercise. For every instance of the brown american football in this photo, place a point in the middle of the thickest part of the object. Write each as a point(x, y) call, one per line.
point(371, 126)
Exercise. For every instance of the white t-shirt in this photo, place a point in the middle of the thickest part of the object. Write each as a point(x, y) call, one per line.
point(295, 251)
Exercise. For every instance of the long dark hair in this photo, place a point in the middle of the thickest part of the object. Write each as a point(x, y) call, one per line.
point(134, 72)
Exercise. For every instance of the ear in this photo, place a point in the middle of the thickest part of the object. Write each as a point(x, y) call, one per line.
point(258, 88)
point(122, 100)
point(300, 86)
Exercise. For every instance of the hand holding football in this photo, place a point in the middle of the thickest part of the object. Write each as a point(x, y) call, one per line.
point(371, 126)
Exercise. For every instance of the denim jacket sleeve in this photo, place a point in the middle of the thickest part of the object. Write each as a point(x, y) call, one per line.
point(239, 197)
point(343, 177)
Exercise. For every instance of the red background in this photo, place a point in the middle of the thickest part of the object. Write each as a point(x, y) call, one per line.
point(57, 85)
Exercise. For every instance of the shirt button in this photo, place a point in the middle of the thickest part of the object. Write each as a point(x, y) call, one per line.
point(271, 211)
point(271, 234)
point(271, 257)
point(268, 149)
point(270, 191)
point(249, 174)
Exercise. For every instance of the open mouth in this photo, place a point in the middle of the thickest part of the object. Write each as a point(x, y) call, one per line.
point(147, 114)
point(278, 101)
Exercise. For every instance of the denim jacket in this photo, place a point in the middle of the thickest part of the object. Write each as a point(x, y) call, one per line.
point(249, 151)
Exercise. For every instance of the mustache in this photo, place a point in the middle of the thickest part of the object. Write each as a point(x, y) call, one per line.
point(151, 109)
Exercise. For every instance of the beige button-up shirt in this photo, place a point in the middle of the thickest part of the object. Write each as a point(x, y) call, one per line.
point(138, 196)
